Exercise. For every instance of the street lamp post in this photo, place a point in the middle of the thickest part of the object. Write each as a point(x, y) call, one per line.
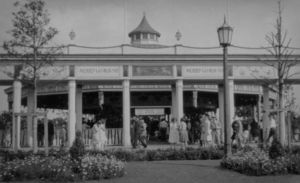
point(225, 35)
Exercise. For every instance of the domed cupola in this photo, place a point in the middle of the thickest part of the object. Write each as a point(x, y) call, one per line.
point(144, 33)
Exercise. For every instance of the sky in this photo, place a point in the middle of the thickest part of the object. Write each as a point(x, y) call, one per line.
point(108, 22)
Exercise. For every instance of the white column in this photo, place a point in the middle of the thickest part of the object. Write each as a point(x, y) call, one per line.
point(195, 99)
point(72, 112)
point(231, 98)
point(179, 99)
point(30, 111)
point(17, 96)
point(79, 108)
point(266, 107)
point(126, 113)
point(221, 108)
point(174, 103)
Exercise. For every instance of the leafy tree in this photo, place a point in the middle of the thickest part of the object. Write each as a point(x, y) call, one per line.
point(31, 36)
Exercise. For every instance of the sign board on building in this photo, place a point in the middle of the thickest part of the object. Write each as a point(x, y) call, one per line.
point(152, 71)
point(202, 71)
point(54, 73)
point(239, 72)
point(150, 111)
point(98, 72)
point(294, 72)
point(254, 72)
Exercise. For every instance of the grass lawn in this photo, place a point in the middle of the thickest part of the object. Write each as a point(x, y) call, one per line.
point(206, 171)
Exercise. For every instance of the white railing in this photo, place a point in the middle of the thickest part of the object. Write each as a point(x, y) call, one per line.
point(114, 136)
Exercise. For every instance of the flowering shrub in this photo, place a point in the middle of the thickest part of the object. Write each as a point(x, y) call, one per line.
point(11, 155)
point(37, 167)
point(294, 164)
point(94, 167)
point(61, 168)
point(257, 162)
point(276, 150)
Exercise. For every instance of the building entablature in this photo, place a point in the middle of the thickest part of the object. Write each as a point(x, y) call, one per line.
point(208, 69)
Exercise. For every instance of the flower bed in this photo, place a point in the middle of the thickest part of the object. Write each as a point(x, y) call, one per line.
point(258, 162)
point(166, 154)
point(95, 167)
point(61, 168)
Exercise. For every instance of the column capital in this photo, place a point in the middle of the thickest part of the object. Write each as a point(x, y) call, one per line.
point(71, 78)
point(230, 78)
point(195, 93)
point(179, 83)
point(17, 83)
point(126, 83)
point(72, 83)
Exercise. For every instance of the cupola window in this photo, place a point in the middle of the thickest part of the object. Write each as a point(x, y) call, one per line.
point(138, 37)
point(144, 36)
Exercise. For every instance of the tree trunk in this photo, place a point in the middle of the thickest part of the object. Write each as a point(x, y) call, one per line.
point(34, 121)
point(281, 116)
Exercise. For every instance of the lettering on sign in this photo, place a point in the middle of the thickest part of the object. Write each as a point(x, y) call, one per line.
point(247, 88)
point(145, 112)
point(54, 72)
point(150, 86)
point(152, 71)
point(254, 72)
point(203, 71)
point(97, 71)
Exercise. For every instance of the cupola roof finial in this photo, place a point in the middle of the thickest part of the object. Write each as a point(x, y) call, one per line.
point(144, 27)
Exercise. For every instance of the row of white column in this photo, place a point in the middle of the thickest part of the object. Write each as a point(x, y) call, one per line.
point(75, 108)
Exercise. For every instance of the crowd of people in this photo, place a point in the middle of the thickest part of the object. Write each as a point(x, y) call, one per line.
point(206, 130)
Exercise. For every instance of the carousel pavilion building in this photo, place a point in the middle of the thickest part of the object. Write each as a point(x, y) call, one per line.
point(118, 86)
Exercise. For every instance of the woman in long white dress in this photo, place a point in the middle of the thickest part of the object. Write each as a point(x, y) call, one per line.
point(103, 138)
point(207, 131)
point(173, 133)
point(99, 136)
point(183, 135)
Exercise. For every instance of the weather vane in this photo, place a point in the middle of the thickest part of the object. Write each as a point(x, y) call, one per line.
point(72, 35)
point(178, 35)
